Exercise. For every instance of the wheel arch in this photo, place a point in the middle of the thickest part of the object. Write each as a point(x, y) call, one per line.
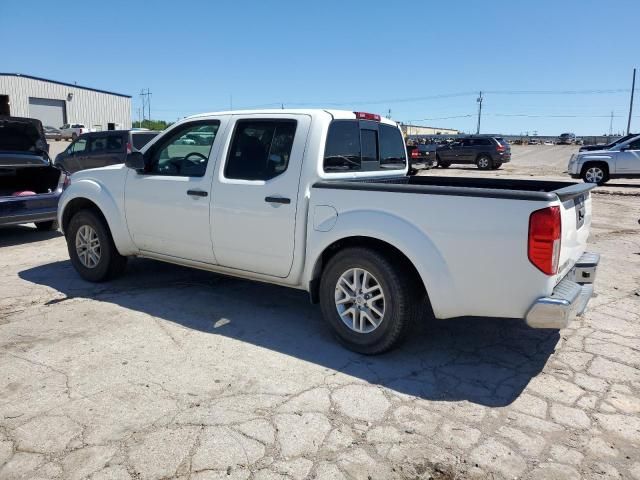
point(400, 241)
point(89, 195)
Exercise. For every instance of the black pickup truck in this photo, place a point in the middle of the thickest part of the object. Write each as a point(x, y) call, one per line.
point(29, 185)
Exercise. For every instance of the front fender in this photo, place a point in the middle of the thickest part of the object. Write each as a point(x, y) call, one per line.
point(110, 206)
point(408, 238)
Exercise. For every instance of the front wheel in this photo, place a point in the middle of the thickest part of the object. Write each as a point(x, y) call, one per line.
point(91, 248)
point(595, 174)
point(369, 301)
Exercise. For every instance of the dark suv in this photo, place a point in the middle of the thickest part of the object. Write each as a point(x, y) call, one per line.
point(488, 153)
point(99, 149)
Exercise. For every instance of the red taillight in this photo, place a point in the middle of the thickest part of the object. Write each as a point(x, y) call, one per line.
point(415, 153)
point(501, 148)
point(367, 116)
point(129, 149)
point(545, 227)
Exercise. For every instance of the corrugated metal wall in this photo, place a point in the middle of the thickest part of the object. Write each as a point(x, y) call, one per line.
point(86, 106)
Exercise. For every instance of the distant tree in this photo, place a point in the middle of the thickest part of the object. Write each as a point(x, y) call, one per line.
point(152, 124)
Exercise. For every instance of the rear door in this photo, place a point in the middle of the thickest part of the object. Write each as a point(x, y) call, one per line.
point(255, 194)
point(628, 161)
point(104, 149)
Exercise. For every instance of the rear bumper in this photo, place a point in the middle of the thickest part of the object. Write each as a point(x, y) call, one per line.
point(569, 298)
point(36, 208)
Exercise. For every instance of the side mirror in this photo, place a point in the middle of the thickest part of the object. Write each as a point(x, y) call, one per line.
point(135, 161)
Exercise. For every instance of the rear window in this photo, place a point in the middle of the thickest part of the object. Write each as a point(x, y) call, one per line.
point(77, 125)
point(352, 148)
point(501, 141)
point(139, 140)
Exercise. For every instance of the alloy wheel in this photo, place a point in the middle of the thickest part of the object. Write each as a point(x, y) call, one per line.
point(360, 300)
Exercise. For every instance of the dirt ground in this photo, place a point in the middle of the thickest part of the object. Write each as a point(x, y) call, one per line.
point(175, 373)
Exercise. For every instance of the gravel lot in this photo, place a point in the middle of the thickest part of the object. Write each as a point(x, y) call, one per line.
point(177, 373)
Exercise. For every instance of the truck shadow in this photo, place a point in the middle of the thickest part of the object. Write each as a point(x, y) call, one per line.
point(481, 360)
point(19, 234)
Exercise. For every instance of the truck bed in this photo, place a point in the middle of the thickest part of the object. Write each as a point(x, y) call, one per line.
point(532, 190)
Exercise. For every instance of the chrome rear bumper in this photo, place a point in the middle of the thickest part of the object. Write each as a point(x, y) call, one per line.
point(569, 298)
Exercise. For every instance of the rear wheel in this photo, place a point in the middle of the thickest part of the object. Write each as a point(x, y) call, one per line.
point(74, 136)
point(369, 301)
point(46, 226)
point(91, 248)
point(484, 162)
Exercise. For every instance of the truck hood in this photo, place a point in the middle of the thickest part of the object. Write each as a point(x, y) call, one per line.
point(22, 135)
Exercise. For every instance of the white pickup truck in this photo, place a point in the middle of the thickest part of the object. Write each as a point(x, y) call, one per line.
point(320, 200)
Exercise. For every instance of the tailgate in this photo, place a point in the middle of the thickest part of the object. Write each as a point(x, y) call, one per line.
point(576, 225)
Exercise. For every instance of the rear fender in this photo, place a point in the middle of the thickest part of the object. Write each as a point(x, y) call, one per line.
point(414, 243)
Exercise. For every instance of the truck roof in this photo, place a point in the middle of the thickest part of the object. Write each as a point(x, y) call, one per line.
point(336, 114)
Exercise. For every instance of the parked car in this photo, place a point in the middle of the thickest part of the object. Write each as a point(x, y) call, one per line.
point(567, 139)
point(484, 151)
point(71, 131)
point(99, 149)
point(421, 157)
point(548, 142)
point(533, 141)
point(52, 133)
point(320, 201)
point(589, 148)
point(599, 166)
point(30, 186)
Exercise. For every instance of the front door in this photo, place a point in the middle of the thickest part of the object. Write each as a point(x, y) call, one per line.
point(256, 193)
point(628, 161)
point(167, 205)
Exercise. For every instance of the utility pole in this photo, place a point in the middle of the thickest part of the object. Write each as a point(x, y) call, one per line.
point(611, 124)
point(389, 114)
point(633, 87)
point(146, 103)
point(479, 100)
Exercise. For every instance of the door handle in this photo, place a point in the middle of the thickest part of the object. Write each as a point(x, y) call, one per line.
point(277, 200)
point(197, 193)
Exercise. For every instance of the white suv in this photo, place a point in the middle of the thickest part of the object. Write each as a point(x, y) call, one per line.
point(71, 131)
point(598, 166)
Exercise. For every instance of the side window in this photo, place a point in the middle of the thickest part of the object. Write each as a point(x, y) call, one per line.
point(97, 144)
point(634, 145)
point(115, 143)
point(392, 148)
point(185, 151)
point(78, 146)
point(342, 151)
point(260, 149)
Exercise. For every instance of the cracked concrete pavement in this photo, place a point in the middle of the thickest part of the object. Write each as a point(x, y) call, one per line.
point(175, 373)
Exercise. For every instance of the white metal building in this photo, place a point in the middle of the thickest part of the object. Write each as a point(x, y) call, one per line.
point(56, 103)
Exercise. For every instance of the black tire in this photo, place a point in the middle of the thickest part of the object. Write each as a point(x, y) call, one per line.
point(110, 264)
point(398, 285)
point(496, 166)
point(73, 136)
point(442, 164)
point(484, 162)
point(590, 170)
point(47, 226)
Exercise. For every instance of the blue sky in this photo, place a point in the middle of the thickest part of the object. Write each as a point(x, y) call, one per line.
point(423, 60)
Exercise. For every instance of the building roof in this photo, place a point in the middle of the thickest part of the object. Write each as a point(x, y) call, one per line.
point(63, 83)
